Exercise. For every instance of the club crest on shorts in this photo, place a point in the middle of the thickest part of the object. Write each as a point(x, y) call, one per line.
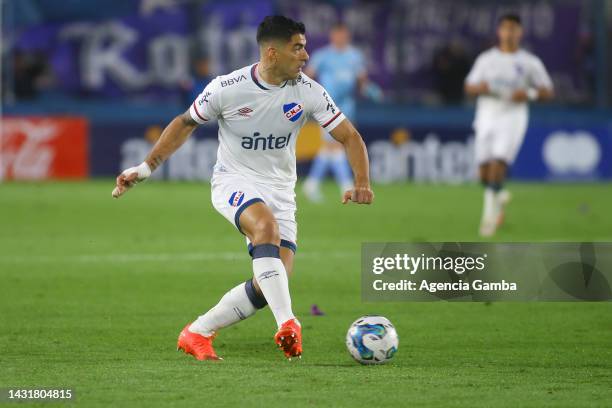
point(293, 111)
point(236, 198)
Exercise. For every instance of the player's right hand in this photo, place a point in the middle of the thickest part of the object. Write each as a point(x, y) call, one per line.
point(130, 177)
point(520, 95)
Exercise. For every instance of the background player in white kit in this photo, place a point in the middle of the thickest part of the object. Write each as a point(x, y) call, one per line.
point(260, 110)
point(504, 78)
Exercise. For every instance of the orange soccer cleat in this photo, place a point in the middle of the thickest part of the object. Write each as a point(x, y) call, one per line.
point(289, 338)
point(197, 345)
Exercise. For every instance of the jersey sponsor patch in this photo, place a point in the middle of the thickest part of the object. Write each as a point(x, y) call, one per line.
point(204, 98)
point(330, 106)
point(236, 198)
point(293, 111)
point(232, 81)
point(246, 111)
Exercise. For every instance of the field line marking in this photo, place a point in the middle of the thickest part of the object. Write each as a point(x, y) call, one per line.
point(160, 257)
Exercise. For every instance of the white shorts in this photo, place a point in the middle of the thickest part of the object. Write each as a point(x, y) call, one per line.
point(501, 141)
point(233, 193)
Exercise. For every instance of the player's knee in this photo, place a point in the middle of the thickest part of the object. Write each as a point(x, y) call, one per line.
point(266, 232)
point(483, 176)
point(497, 163)
point(483, 172)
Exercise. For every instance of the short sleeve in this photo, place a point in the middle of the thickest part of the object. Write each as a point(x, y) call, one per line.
point(538, 76)
point(477, 73)
point(323, 108)
point(207, 105)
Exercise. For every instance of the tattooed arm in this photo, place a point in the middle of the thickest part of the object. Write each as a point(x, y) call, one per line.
point(173, 136)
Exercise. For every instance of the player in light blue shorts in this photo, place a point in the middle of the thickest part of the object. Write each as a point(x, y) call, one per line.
point(340, 68)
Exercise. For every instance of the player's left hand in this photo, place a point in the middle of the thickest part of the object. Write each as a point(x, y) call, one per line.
point(359, 195)
point(520, 95)
point(373, 92)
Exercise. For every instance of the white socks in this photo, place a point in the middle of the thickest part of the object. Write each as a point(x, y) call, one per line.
point(311, 184)
point(243, 301)
point(234, 306)
point(490, 205)
point(271, 276)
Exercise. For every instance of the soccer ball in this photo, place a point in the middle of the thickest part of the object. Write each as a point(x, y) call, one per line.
point(372, 340)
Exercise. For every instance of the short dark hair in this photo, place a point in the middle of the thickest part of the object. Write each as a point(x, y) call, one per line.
point(513, 17)
point(278, 28)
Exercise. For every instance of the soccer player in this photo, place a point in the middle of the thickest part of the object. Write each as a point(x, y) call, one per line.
point(260, 110)
point(504, 79)
point(340, 68)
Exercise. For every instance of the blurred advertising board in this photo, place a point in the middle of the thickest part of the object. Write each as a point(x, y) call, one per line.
point(432, 154)
point(401, 39)
point(397, 154)
point(38, 148)
point(148, 55)
point(115, 147)
point(565, 153)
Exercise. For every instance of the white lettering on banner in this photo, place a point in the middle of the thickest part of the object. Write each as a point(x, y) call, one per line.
point(426, 161)
point(181, 165)
point(193, 161)
point(32, 160)
point(228, 49)
point(317, 19)
point(241, 46)
point(571, 152)
point(360, 19)
point(169, 54)
point(211, 35)
point(134, 151)
point(103, 50)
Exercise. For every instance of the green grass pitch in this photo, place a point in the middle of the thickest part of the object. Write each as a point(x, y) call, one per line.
point(94, 291)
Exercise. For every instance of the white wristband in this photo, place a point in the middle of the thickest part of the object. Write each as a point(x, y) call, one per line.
point(532, 94)
point(500, 91)
point(144, 171)
point(496, 89)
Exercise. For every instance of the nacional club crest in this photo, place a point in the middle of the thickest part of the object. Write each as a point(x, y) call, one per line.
point(236, 198)
point(293, 111)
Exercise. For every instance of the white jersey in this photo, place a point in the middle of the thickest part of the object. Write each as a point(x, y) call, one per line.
point(259, 123)
point(505, 72)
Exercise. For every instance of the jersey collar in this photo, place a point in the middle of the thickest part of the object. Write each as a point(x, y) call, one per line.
point(261, 83)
